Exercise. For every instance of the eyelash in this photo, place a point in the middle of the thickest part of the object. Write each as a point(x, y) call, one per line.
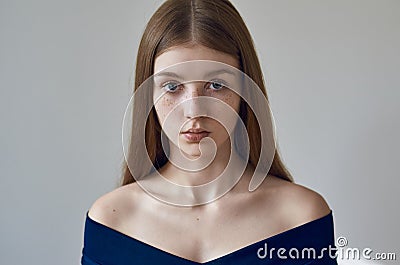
point(219, 82)
point(177, 85)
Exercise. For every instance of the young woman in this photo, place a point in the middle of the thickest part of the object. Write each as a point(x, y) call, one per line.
point(196, 193)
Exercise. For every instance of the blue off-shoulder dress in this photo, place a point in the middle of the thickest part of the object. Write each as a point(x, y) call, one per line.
point(307, 244)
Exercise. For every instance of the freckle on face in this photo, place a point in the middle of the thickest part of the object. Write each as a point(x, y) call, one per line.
point(164, 106)
point(228, 99)
point(231, 99)
point(168, 102)
point(180, 54)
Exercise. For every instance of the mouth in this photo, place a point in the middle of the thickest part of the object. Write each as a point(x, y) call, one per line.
point(195, 135)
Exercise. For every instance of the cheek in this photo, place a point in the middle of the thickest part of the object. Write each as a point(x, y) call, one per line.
point(227, 118)
point(230, 98)
point(233, 100)
point(163, 107)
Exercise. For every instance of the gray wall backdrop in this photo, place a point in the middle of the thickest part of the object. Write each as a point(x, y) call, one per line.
point(332, 73)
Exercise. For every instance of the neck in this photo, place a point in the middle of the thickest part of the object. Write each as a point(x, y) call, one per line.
point(179, 186)
point(196, 170)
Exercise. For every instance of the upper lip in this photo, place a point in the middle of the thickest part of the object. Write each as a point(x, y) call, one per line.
point(195, 130)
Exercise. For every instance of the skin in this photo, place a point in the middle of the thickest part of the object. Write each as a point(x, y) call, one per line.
point(205, 232)
point(186, 117)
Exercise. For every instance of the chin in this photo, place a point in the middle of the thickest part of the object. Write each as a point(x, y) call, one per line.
point(192, 153)
point(189, 148)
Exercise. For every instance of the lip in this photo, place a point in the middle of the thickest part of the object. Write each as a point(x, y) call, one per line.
point(195, 136)
point(196, 130)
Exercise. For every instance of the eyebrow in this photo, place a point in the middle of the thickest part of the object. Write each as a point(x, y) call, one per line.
point(170, 74)
point(213, 73)
point(222, 71)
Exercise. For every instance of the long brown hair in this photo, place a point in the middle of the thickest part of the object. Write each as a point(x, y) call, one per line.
point(213, 24)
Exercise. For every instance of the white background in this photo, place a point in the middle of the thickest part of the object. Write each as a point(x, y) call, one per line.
point(332, 74)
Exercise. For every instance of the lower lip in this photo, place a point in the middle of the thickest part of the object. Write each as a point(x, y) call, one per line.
point(195, 137)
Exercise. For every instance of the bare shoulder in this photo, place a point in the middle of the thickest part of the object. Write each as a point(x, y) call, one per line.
point(296, 204)
point(112, 208)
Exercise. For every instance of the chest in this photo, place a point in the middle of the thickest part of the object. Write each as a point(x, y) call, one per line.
point(202, 235)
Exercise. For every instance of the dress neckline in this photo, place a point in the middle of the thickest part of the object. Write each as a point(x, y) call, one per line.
point(219, 258)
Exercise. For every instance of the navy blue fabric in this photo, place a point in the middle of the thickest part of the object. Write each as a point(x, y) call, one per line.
point(106, 246)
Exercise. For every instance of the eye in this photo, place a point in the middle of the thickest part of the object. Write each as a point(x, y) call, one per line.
point(216, 85)
point(170, 86)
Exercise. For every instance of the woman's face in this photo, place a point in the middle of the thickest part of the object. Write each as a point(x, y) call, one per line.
point(185, 106)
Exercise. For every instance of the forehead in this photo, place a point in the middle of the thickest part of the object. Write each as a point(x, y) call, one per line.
point(183, 53)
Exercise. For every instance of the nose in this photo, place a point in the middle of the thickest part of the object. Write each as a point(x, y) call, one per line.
point(194, 105)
